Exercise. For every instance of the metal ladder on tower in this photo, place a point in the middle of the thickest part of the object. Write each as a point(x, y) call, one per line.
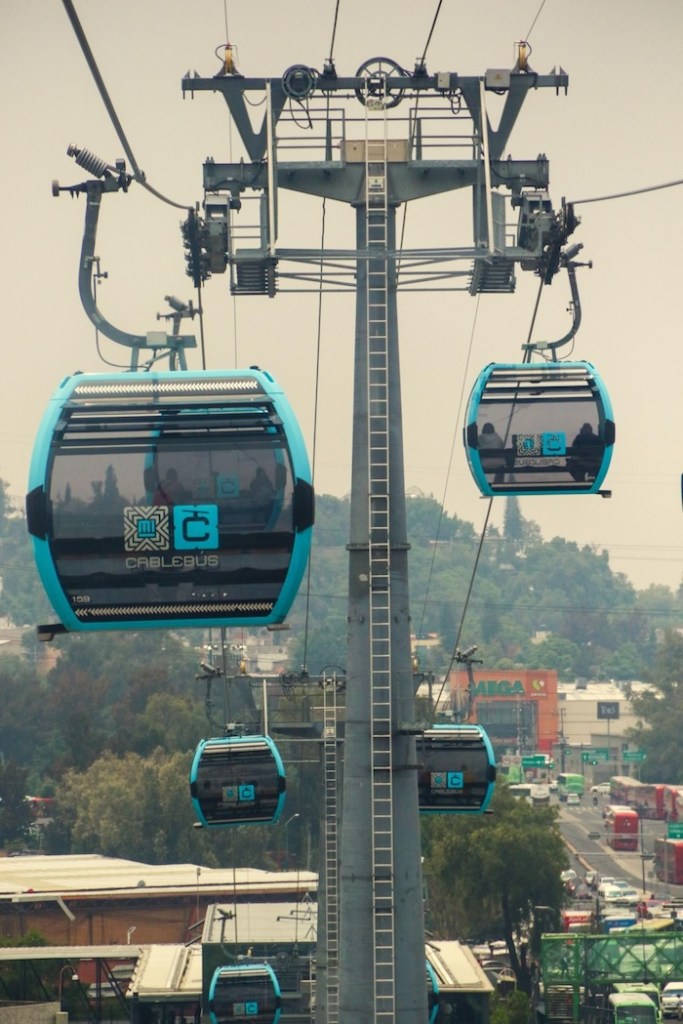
point(330, 761)
point(379, 563)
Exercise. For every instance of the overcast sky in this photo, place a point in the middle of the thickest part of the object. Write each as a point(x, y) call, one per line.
point(616, 130)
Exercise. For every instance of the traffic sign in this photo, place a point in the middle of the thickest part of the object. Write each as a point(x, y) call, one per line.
point(593, 756)
point(674, 830)
point(534, 761)
point(634, 755)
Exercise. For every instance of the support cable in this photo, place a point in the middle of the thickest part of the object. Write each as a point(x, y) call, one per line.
point(456, 433)
point(632, 192)
point(334, 32)
point(431, 32)
point(455, 656)
point(315, 427)
point(538, 14)
point(138, 174)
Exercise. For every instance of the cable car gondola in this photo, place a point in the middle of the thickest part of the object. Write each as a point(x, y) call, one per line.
point(432, 994)
point(171, 498)
point(539, 428)
point(237, 780)
point(244, 992)
point(457, 769)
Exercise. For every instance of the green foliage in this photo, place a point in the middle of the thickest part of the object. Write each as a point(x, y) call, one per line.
point(486, 873)
point(660, 710)
point(119, 704)
point(512, 1009)
point(15, 815)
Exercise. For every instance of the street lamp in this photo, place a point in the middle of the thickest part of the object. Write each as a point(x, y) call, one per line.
point(74, 977)
point(289, 819)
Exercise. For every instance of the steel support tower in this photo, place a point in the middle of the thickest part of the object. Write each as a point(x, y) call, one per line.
point(375, 141)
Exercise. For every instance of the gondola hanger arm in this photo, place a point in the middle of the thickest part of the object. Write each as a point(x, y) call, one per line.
point(570, 265)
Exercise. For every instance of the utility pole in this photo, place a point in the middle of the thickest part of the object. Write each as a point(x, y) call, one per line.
point(384, 136)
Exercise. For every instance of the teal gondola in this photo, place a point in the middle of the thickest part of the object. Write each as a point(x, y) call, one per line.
point(172, 498)
point(247, 992)
point(457, 769)
point(432, 994)
point(539, 428)
point(237, 780)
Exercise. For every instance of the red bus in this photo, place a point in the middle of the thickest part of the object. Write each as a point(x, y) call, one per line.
point(673, 803)
point(648, 798)
point(669, 860)
point(621, 827)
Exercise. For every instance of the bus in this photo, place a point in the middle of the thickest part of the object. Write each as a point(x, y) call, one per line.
point(669, 860)
point(631, 1008)
point(621, 828)
point(647, 988)
point(536, 793)
point(569, 782)
point(650, 799)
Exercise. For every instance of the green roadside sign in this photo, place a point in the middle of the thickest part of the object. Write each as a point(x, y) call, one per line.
point(593, 756)
point(534, 761)
point(674, 830)
point(634, 755)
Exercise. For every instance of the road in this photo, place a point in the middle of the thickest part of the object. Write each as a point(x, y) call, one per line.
point(577, 822)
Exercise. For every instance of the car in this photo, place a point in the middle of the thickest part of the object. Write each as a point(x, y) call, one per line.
point(594, 835)
point(573, 800)
point(618, 896)
point(611, 894)
point(671, 993)
point(601, 789)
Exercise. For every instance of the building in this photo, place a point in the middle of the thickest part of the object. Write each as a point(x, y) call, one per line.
point(517, 707)
point(221, 915)
point(582, 726)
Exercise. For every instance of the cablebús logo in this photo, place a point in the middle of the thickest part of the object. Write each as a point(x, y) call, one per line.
point(159, 528)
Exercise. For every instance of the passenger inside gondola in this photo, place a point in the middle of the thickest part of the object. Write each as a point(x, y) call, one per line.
point(491, 447)
point(170, 491)
point(586, 454)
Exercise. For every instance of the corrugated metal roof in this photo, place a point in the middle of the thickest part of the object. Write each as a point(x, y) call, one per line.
point(165, 972)
point(456, 968)
point(261, 923)
point(162, 970)
point(117, 952)
point(91, 875)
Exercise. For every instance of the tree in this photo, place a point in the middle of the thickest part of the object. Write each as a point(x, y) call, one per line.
point(487, 873)
point(660, 710)
point(15, 813)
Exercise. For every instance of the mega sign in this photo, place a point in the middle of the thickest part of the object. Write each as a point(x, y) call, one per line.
point(498, 688)
point(528, 685)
